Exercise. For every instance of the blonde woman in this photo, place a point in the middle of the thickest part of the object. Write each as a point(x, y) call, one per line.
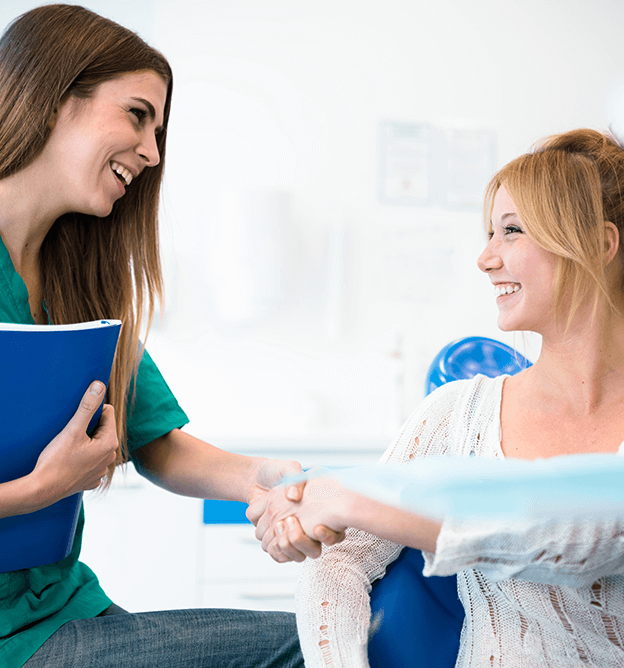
point(543, 594)
point(84, 109)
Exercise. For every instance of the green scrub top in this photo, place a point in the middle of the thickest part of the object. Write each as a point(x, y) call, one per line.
point(35, 602)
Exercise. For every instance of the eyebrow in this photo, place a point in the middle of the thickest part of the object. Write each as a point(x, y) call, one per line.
point(151, 112)
point(504, 217)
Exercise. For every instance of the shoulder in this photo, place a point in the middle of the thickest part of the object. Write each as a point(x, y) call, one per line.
point(442, 421)
point(458, 406)
point(480, 389)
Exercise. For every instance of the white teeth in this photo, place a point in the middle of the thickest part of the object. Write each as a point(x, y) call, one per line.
point(125, 174)
point(506, 289)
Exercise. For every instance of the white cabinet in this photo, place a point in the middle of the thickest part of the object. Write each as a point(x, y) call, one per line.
point(141, 542)
point(234, 571)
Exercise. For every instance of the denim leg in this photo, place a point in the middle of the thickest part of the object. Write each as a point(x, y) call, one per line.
point(203, 638)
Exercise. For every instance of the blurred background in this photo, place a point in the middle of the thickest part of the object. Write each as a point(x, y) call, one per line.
point(321, 214)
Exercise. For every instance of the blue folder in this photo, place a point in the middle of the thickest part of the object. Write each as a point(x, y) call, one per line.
point(44, 372)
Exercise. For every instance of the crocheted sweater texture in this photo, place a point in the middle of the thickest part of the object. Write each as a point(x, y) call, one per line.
point(547, 594)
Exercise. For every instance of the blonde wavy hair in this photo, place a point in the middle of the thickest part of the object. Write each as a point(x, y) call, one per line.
point(565, 190)
point(92, 268)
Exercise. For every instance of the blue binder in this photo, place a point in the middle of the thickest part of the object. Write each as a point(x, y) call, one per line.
point(44, 372)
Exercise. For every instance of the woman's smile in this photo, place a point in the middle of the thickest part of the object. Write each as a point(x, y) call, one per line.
point(521, 271)
point(99, 145)
point(503, 290)
point(123, 175)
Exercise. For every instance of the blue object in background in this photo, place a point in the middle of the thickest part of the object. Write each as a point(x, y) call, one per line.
point(420, 618)
point(471, 356)
point(224, 512)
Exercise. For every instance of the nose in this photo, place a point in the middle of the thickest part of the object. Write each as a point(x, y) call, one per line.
point(489, 258)
point(148, 150)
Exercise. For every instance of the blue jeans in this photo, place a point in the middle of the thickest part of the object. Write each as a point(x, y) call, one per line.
point(203, 638)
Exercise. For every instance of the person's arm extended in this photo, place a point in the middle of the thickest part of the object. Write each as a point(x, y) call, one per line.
point(399, 526)
point(565, 553)
point(325, 503)
point(186, 465)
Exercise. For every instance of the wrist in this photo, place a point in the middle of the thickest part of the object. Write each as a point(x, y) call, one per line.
point(23, 495)
point(345, 513)
point(333, 505)
point(253, 477)
point(37, 492)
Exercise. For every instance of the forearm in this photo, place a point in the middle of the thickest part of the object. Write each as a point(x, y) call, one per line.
point(325, 502)
point(333, 613)
point(333, 609)
point(189, 466)
point(22, 496)
point(560, 553)
point(393, 524)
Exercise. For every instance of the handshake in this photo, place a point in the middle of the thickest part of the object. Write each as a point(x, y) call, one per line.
point(294, 521)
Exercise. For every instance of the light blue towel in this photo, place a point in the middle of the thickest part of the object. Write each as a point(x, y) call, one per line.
point(568, 486)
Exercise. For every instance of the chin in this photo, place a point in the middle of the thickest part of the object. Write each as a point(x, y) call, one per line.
point(99, 210)
point(507, 325)
point(103, 214)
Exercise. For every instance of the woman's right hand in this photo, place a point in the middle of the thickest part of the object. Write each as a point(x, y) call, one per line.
point(73, 461)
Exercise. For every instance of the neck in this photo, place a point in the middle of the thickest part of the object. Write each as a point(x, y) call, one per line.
point(585, 366)
point(26, 215)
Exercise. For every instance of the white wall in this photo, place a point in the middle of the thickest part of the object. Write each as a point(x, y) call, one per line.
point(287, 95)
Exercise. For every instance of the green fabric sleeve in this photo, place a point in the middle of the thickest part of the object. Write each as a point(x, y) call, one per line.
point(153, 411)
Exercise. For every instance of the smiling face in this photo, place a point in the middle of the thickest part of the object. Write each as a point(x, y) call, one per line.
point(522, 272)
point(100, 144)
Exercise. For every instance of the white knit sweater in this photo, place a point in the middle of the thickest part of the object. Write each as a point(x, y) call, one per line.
point(535, 594)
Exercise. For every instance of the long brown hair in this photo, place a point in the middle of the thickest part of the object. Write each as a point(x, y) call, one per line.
point(565, 191)
point(92, 268)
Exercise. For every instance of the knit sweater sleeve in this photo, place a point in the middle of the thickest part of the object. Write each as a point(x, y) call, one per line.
point(333, 605)
point(573, 554)
point(554, 552)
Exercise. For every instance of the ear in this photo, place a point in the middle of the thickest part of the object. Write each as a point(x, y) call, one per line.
point(612, 241)
point(53, 118)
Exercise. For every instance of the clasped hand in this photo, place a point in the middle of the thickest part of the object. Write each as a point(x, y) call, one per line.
point(292, 522)
point(74, 462)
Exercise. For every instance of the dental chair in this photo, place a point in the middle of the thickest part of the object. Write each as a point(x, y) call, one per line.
point(417, 620)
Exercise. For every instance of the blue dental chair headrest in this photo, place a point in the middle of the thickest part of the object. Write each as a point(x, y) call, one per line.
point(470, 356)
